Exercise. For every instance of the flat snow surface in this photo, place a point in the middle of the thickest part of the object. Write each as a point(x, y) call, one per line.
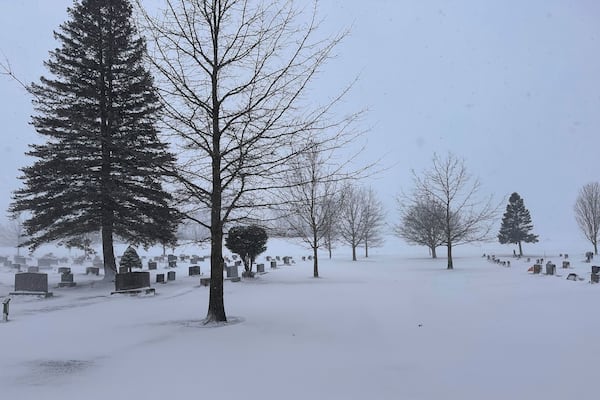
point(395, 326)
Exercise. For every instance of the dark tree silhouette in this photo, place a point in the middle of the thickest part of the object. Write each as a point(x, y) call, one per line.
point(587, 212)
point(100, 168)
point(421, 222)
point(516, 224)
point(248, 242)
point(131, 259)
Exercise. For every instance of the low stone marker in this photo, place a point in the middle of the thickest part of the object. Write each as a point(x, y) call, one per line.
point(287, 260)
point(133, 283)
point(260, 268)
point(572, 277)
point(152, 265)
point(566, 256)
point(595, 269)
point(537, 268)
point(194, 270)
point(20, 260)
point(171, 257)
point(33, 283)
point(277, 258)
point(64, 270)
point(66, 280)
point(268, 258)
point(92, 270)
point(595, 278)
point(160, 278)
point(170, 276)
point(566, 264)
point(303, 258)
point(204, 281)
point(273, 264)
point(232, 271)
point(172, 264)
point(33, 269)
point(589, 256)
point(235, 279)
point(550, 268)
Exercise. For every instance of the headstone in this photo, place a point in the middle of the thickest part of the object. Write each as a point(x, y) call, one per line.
point(303, 258)
point(201, 259)
point(152, 265)
point(537, 268)
point(595, 278)
point(550, 268)
point(235, 279)
point(268, 258)
point(566, 264)
point(92, 270)
point(132, 281)
point(566, 256)
point(595, 269)
point(31, 283)
point(232, 271)
point(572, 277)
point(3, 259)
point(97, 262)
point(194, 260)
point(278, 258)
point(310, 257)
point(589, 256)
point(172, 264)
point(44, 262)
point(286, 260)
point(273, 264)
point(123, 270)
point(204, 281)
point(170, 276)
point(171, 257)
point(238, 263)
point(508, 263)
point(64, 270)
point(260, 268)
point(20, 260)
point(528, 259)
point(160, 278)
point(248, 274)
point(66, 280)
point(33, 269)
point(194, 270)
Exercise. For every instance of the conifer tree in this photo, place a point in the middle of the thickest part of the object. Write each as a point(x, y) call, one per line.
point(516, 224)
point(100, 168)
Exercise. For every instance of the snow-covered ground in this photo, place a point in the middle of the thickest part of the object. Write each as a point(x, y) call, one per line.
point(395, 326)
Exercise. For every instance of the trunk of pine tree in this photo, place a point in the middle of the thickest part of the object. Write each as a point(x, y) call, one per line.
point(216, 306)
point(108, 253)
point(520, 249)
point(353, 252)
point(433, 253)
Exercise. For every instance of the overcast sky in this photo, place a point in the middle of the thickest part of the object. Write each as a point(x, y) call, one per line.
point(512, 86)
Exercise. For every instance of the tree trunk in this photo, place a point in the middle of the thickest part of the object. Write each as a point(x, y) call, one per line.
point(353, 252)
point(520, 249)
point(315, 262)
point(433, 253)
point(216, 306)
point(450, 263)
point(108, 253)
point(366, 248)
point(595, 248)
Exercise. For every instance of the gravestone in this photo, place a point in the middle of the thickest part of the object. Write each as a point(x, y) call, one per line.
point(123, 270)
point(537, 268)
point(566, 256)
point(232, 271)
point(286, 260)
point(92, 270)
point(277, 258)
point(97, 262)
point(3, 259)
point(66, 280)
point(152, 265)
point(64, 270)
point(131, 281)
point(273, 264)
point(170, 276)
point(172, 264)
point(33, 269)
point(260, 268)
point(595, 269)
point(235, 279)
point(589, 256)
point(572, 277)
point(20, 260)
point(194, 260)
point(238, 263)
point(204, 281)
point(268, 258)
point(31, 283)
point(160, 278)
point(595, 278)
point(303, 258)
point(201, 259)
point(310, 258)
point(550, 268)
point(194, 270)
point(566, 264)
point(44, 262)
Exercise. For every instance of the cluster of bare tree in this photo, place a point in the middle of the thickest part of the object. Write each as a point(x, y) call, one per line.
point(445, 208)
point(587, 212)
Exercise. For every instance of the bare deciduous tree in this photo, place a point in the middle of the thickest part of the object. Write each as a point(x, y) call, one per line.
point(467, 217)
point(352, 223)
point(374, 215)
point(233, 76)
point(311, 200)
point(421, 222)
point(12, 233)
point(587, 212)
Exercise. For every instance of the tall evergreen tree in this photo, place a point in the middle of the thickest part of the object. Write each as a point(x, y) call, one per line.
point(100, 169)
point(516, 224)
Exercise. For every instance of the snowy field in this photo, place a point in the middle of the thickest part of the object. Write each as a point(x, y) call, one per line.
point(395, 326)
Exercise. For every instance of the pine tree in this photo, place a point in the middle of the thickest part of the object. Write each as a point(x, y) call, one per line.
point(131, 259)
point(516, 224)
point(100, 168)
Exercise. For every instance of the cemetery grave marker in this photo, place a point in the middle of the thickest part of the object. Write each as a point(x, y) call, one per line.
point(31, 283)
